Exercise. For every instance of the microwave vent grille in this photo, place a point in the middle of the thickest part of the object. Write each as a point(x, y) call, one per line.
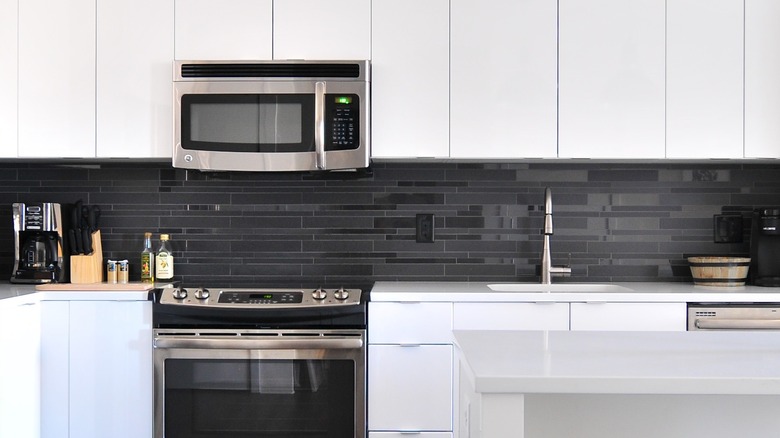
point(270, 70)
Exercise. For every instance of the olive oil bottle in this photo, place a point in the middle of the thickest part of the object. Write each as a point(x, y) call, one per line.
point(147, 260)
point(164, 259)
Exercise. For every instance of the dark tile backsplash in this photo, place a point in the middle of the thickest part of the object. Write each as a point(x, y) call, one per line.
point(613, 222)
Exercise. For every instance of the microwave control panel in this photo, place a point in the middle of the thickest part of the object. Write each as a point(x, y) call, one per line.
point(342, 127)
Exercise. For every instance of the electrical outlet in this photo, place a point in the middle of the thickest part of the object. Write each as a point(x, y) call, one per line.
point(727, 228)
point(424, 231)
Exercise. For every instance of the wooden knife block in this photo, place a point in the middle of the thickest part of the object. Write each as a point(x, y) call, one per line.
point(88, 268)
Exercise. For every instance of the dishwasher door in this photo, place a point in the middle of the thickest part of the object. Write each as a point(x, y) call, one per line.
point(734, 316)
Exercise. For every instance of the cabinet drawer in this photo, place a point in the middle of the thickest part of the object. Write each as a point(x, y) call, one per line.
point(409, 323)
point(410, 435)
point(629, 316)
point(511, 316)
point(410, 388)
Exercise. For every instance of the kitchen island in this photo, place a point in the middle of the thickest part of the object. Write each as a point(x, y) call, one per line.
point(613, 361)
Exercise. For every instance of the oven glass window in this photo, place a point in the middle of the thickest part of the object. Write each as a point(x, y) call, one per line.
point(248, 122)
point(259, 398)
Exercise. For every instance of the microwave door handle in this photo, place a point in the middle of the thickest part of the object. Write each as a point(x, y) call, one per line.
point(319, 124)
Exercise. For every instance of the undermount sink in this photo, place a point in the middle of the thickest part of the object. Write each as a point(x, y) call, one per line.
point(557, 287)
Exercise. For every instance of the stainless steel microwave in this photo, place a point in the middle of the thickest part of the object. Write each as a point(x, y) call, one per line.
point(271, 115)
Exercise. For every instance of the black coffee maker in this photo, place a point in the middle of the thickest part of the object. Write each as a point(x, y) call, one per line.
point(38, 244)
point(765, 247)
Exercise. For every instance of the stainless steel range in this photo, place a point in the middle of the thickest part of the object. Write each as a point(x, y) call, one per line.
point(259, 362)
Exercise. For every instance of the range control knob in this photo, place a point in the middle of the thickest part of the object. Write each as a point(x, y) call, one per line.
point(179, 294)
point(319, 294)
point(341, 294)
point(202, 294)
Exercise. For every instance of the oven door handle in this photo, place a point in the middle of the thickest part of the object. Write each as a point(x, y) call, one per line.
point(737, 324)
point(255, 344)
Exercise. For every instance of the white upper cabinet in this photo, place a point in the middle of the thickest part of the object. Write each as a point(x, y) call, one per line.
point(134, 78)
point(503, 79)
point(223, 30)
point(410, 78)
point(57, 78)
point(317, 29)
point(762, 79)
point(611, 79)
point(8, 77)
point(704, 80)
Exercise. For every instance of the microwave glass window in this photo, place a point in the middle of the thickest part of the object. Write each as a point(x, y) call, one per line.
point(246, 123)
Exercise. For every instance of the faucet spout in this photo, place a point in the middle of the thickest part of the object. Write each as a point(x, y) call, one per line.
point(548, 270)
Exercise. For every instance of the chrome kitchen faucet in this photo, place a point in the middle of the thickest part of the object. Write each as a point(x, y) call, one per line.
point(548, 270)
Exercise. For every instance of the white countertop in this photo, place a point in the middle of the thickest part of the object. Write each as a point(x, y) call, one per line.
point(622, 362)
point(612, 292)
point(11, 294)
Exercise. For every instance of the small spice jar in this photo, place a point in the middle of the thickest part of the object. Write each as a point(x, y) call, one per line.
point(124, 271)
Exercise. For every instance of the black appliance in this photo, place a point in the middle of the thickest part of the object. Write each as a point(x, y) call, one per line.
point(259, 362)
point(39, 255)
point(765, 247)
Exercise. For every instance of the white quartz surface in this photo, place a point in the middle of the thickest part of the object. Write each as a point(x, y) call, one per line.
point(15, 293)
point(611, 292)
point(622, 362)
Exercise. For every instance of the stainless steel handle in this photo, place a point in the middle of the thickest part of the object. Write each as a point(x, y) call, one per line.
point(319, 124)
point(238, 343)
point(738, 324)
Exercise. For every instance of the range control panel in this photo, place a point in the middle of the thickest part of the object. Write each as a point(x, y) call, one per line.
point(245, 298)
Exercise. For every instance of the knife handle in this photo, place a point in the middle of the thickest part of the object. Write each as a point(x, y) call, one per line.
point(72, 242)
point(87, 240)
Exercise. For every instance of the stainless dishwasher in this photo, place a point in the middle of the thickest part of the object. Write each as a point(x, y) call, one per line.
point(733, 316)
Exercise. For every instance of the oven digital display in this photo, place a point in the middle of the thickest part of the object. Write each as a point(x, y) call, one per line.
point(260, 297)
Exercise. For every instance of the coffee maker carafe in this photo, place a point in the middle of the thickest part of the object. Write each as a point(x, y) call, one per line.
point(765, 247)
point(39, 254)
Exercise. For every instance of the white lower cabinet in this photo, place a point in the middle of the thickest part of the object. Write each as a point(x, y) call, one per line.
point(629, 316)
point(19, 365)
point(96, 369)
point(410, 369)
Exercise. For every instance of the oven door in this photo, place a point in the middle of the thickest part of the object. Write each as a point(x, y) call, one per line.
point(271, 125)
point(259, 383)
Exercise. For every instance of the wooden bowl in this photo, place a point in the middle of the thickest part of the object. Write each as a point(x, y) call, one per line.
point(719, 271)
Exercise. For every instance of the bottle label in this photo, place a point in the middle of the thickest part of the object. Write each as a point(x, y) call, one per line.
point(164, 266)
point(147, 267)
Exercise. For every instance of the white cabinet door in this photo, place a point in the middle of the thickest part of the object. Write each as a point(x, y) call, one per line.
point(704, 79)
point(410, 78)
point(110, 369)
point(55, 368)
point(511, 316)
point(629, 316)
point(20, 385)
point(223, 30)
point(410, 388)
point(134, 87)
point(410, 323)
point(8, 77)
point(503, 77)
point(316, 29)
point(762, 87)
point(57, 78)
point(611, 67)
